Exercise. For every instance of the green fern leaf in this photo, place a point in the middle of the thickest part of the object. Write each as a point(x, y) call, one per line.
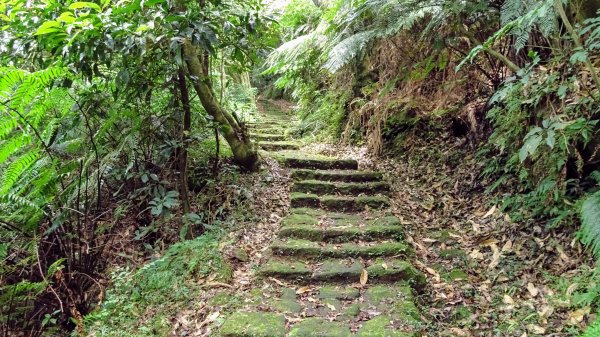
point(16, 169)
point(590, 223)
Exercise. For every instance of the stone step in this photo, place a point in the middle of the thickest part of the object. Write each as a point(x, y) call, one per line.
point(316, 250)
point(346, 188)
point(279, 145)
point(337, 203)
point(295, 159)
point(339, 234)
point(336, 175)
point(375, 310)
point(261, 137)
point(342, 271)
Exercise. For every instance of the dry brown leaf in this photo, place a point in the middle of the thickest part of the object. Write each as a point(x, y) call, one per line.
point(364, 277)
point(276, 281)
point(303, 290)
point(536, 329)
point(507, 299)
point(507, 246)
point(330, 306)
point(385, 266)
point(578, 315)
point(533, 290)
point(495, 257)
point(490, 212)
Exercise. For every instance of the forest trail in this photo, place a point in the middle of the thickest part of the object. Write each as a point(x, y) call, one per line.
point(339, 266)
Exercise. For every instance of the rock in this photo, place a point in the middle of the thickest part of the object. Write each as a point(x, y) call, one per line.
point(253, 324)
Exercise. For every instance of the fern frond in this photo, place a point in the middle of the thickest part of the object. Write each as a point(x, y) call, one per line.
point(348, 49)
point(590, 223)
point(16, 169)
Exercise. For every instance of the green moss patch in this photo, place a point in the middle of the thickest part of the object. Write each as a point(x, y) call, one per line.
point(347, 188)
point(317, 327)
point(339, 270)
point(295, 219)
point(339, 292)
point(396, 270)
point(380, 327)
point(336, 175)
point(253, 324)
point(285, 269)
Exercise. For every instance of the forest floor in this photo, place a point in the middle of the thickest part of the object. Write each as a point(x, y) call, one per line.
point(482, 274)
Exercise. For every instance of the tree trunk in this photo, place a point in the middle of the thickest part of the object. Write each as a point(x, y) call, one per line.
point(185, 130)
point(244, 152)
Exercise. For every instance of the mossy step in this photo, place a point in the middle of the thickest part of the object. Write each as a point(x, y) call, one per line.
point(279, 145)
point(341, 233)
point(337, 203)
point(336, 175)
point(300, 160)
point(343, 270)
point(346, 188)
point(319, 327)
point(261, 137)
point(310, 249)
point(253, 324)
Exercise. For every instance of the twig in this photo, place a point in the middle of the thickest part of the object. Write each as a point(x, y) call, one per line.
point(39, 264)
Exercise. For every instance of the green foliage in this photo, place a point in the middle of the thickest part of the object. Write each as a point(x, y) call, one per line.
point(144, 302)
point(592, 330)
point(590, 222)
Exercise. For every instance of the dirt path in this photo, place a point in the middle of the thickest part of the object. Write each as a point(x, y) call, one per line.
point(339, 266)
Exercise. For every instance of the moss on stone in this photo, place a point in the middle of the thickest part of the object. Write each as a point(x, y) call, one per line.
point(222, 298)
point(252, 324)
point(374, 202)
point(379, 327)
point(451, 254)
point(386, 221)
point(406, 312)
point(336, 175)
point(348, 188)
point(338, 270)
point(352, 311)
point(456, 275)
point(380, 249)
point(337, 203)
point(298, 199)
point(295, 247)
point(378, 294)
point(299, 219)
point(287, 305)
point(396, 270)
point(301, 160)
point(307, 211)
point(279, 145)
point(339, 292)
point(317, 327)
point(267, 137)
point(285, 269)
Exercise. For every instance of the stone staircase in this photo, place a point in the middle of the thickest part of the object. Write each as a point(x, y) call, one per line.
point(338, 266)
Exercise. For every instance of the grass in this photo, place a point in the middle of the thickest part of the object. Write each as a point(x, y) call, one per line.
point(144, 302)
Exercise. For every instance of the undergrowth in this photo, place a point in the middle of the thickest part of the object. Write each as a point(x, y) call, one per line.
point(143, 302)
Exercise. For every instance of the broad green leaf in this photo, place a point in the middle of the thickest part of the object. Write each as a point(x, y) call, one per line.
point(48, 27)
point(84, 4)
point(530, 146)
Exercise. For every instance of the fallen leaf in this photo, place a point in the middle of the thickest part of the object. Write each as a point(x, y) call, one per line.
point(577, 316)
point(507, 299)
point(364, 276)
point(536, 329)
point(571, 289)
point(302, 290)
point(507, 246)
point(276, 281)
point(330, 306)
point(495, 257)
point(490, 212)
point(533, 290)
point(385, 266)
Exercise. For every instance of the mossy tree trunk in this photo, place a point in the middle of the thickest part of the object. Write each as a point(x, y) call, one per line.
point(244, 151)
